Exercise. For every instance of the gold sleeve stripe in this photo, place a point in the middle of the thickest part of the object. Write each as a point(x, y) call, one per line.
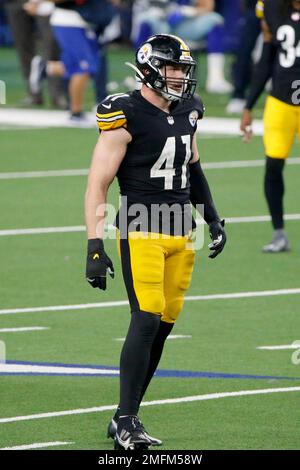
point(107, 126)
point(111, 119)
point(259, 9)
point(110, 114)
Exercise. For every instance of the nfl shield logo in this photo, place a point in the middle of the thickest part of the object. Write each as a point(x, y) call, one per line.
point(193, 117)
point(295, 16)
point(170, 120)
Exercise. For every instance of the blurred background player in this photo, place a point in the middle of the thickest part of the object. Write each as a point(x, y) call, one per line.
point(280, 60)
point(194, 21)
point(243, 65)
point(35, 43)
point(79, 53)
point(223, 38)
point(189, 19)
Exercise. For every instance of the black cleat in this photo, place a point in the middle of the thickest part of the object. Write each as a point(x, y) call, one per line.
point(130, 435)
point(112, 430)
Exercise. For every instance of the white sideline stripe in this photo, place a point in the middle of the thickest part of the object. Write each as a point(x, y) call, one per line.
point(38, 445)
point(169, 337)
point(29, 328)
point(23, 128)
point(54, 118)
point(85, 171)
point(120, 303)
point(169, 401)
point(36, 369)
point(274, 348)
point(82, 228)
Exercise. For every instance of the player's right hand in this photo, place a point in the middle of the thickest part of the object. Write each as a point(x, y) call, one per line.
point(218, 237)
point(246, 125)
point(98, 264)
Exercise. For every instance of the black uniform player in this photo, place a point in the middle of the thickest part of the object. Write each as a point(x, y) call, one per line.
point(280, 61)
point(148, 141)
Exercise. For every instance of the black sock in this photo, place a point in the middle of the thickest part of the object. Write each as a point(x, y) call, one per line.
point(274, 190)
point(135, 358)
point(156, 352)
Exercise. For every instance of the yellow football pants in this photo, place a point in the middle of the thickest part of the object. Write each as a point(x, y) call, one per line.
point(281, 124)
point(157, 272)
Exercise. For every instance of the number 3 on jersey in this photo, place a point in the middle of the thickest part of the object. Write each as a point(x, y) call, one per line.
point(287, 36)
point(167, 158)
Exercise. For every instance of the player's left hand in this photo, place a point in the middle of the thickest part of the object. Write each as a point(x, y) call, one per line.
point(246, 126)
point(218, 236)
point(98, 264)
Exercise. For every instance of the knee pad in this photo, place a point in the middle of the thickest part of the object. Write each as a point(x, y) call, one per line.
point(173, 309)
point(151, 300)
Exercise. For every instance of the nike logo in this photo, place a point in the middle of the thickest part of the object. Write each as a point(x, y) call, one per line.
point(124, 443)
point(108, 106)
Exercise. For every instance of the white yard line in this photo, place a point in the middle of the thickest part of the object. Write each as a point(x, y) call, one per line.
point(57, 308)
point(281, 347)
point(38, 445)
point(243, 295)
point(21, 329)
point(84, 171)
point(242, 164)
point(121, 303)
point(170, 401)
point(169, 337)
point(254, 219)
point(42, 230)
point(42, 174)
point(82, 228)
point(40, 369)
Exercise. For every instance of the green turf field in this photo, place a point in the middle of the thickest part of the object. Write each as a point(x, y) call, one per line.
point(223, 334)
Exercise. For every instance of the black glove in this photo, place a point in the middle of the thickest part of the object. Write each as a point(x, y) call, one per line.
point(218, 236)
point(97, 264)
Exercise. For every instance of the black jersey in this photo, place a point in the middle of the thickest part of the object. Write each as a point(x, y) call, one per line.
point(155, 167)
point(284, 24)
point(154, 172)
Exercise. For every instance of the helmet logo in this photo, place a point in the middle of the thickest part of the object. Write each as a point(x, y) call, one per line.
point(144, 53)
point(193, 117)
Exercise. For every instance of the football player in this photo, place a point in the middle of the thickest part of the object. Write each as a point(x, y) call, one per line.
point(280, 61)
point(148, 140)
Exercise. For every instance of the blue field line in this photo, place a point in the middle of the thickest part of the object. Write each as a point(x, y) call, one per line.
point(160, 373)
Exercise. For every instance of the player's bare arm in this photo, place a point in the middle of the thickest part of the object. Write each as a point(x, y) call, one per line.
point(108, 155)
